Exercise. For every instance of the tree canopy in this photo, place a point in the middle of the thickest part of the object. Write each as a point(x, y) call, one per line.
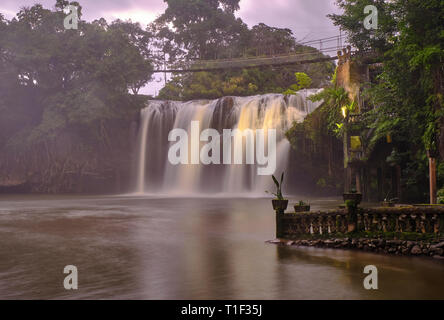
point(405, 96)
point(202, 29)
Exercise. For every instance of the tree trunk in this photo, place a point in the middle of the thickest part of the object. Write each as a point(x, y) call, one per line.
point(432, 176)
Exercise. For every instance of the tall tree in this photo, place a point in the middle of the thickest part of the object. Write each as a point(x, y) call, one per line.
point(57, 83)
point(199, 29)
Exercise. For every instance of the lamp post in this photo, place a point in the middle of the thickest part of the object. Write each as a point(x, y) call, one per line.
point(345, 146)
point(432, 176)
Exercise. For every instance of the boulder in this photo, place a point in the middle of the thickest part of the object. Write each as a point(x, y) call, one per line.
point(438, 245)
point(416, 250)
point(437, 251)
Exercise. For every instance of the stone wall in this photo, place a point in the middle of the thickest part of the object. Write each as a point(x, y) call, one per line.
point(421, 220)
point(351, 74)
point(402, 230)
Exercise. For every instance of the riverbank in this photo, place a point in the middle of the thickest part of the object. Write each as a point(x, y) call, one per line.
point(434, 249)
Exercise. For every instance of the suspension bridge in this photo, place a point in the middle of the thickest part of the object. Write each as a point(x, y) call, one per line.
point(313, 51)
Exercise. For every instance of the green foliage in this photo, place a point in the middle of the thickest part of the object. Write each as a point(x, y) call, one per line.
point(303, 81)
point(202, 29)
point(333, 100)
point(351, 204)
point(406, 92)
point(246, 82)
point(318, 151)
point(440, 195)
point(185, 28)
point(60, 84)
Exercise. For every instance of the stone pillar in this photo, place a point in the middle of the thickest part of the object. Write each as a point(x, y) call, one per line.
point(358, 180)
point(380, 184)
point(279, 216)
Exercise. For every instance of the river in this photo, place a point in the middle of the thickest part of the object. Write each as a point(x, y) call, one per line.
point(184, 248)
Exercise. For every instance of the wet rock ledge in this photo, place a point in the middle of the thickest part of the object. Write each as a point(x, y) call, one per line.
point(433, 249)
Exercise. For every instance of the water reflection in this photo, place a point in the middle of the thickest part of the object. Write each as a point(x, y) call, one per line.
point(153, 248)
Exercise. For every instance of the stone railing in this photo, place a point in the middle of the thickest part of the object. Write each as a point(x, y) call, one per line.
point(412, 219)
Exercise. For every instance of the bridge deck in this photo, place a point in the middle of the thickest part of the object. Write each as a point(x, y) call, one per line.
point(248, 63)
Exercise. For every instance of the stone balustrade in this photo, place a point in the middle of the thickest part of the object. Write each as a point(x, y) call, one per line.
point(411, 219)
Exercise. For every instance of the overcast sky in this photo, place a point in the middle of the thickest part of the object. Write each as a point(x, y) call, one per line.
point(306, 18)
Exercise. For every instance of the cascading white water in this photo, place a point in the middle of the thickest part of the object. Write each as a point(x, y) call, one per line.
point(273, 111)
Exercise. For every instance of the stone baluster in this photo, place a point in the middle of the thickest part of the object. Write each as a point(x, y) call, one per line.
point(436, 225)
point(423, 223)
point(375, 222)
point(384, 223)
point(300, 226)
point(411, 220)
point(359, 223)
point(324, 224)
point(307, 225)
point(315, 224)
point(331, 225)
point(408, 223)
point(366, 222)
point(397, 224)
point(321, 225)
point(344, 224)
point(402, 223)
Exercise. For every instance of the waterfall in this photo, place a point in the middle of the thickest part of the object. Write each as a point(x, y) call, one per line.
point(272, 111)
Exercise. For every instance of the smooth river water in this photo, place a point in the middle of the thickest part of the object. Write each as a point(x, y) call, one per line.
point(190, 248)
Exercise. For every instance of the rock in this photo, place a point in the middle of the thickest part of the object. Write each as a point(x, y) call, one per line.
point(275, 241)
point(290, 243)
point(438, 257)
point(438, 245)
point(394, 242)
point(416, 250)
point(437, 251)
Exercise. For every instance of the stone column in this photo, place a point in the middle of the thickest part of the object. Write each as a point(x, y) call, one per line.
point(279, 216)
